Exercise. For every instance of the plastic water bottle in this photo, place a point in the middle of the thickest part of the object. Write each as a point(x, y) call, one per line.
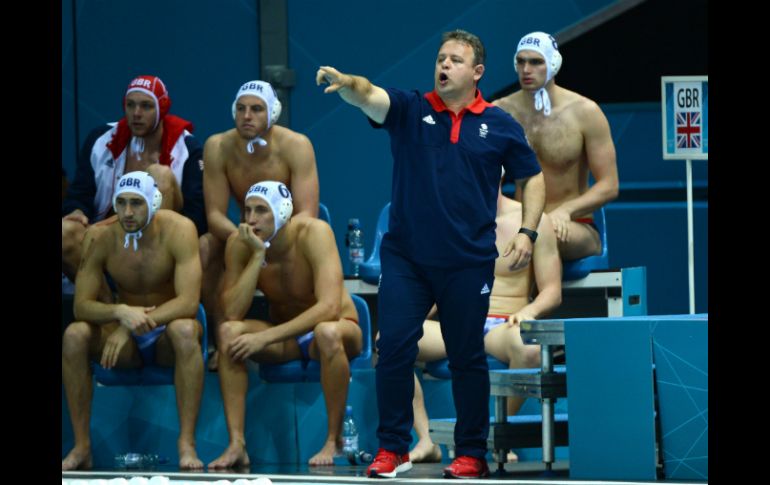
point(350, 441)
point(349, 436)
point(355, 243)
point(138, 460)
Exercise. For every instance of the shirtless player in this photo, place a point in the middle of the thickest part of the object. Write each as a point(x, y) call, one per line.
point(255, 150)
point(571, 137)
point(152, 256)
point(295, 263)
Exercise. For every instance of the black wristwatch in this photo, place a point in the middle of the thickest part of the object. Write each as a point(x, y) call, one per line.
point(530, 233)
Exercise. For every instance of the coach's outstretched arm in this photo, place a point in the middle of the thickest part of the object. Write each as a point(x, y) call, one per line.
point(356, 90)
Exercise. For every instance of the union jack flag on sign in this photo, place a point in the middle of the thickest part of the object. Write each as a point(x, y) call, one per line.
point(688, 129)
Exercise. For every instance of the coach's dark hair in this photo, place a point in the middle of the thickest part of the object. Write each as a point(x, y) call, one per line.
point(479, 54)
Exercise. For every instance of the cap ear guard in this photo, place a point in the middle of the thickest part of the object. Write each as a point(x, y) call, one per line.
point(285, 208)
point(555, 56)
point(276, 112)
point(555, 61)
point(285, 204)
point(157, 200)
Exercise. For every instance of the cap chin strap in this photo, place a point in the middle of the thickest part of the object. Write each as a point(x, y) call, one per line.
point(135, 236)
point(258, 140)
point(543, 101)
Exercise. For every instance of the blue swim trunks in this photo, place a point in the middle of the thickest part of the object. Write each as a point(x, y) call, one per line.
point(146, 344)
point(304, 342)
point(304, 345)
point(494, 321)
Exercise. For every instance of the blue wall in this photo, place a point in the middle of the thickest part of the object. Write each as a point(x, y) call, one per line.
point(210, 48)
point(202, 50)
point(637, 133)
point(652, 230)
point(655, 235)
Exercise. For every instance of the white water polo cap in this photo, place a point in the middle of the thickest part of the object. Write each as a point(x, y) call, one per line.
point(545, 45)
point(266, 93)
point(278, 197)
point(142, 184)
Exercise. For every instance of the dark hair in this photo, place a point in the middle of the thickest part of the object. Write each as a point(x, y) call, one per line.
point(479, 54)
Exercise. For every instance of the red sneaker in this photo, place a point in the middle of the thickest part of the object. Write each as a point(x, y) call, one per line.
point(388, 464)
point(467, 467)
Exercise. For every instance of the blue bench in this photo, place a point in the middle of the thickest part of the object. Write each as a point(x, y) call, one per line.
point(578, 269)
point(573, 270)
point(370, 270)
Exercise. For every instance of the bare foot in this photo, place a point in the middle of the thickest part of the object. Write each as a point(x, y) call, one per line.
point(325, 457)
point(425, 452)
point(77, 459)
point(512, 457)
point(188, 458)
point(235, 456)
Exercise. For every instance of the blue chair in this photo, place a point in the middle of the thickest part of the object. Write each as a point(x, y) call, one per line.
point(575, 270)
point(323, 213)
point(149, 375)
point(440, 368)
point(310, 371)
point(371, 269)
